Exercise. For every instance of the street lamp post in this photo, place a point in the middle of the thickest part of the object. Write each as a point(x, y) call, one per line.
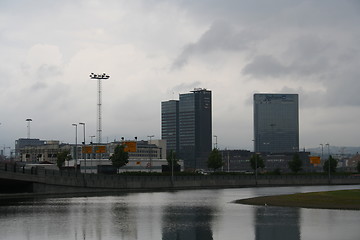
point(172, 167)
point(93, 155)
point(84, 144)
point(215, 145)
point(151, 136)
point(91, 139)
point(228, 160)
point(322, 150)
point(328, 145)
point(76, 152)
point(256, 157)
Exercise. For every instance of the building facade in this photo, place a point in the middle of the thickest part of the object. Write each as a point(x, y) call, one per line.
point(26, 142)
point(40, 151)
point(239, 161)
point(193, 131)
point(276, 123)
point(170, 124)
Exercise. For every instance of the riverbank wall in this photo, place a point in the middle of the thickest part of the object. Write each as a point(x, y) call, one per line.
point(42, 181)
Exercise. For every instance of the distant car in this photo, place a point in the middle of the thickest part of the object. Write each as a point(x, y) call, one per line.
point(201, 171)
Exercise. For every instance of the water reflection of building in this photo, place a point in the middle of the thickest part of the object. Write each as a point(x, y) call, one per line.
point(124, 221)
point(187, 223)
point(277, 223)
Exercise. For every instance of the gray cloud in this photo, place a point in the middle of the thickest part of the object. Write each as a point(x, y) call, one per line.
point(305, 56)
point(221, 36)
point(38, 86)
point(343, 90)
point(233, 47)
point(48, 71)
point(184, 87)
point(265, 66)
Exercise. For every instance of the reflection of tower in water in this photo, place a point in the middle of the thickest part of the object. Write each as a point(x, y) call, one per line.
point(187, 223)
point(125, 221)
point(277, 223)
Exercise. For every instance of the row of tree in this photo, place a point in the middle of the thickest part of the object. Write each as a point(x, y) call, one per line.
point(256, 161)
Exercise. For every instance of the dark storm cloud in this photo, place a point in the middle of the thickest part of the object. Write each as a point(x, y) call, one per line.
point(265, 66)
point(305, 56)
point(331, 62)
point(221, 36)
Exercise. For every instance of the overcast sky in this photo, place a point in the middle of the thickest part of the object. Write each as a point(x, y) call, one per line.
point(155, 49)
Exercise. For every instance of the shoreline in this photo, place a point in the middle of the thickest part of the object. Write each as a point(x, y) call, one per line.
point(340, 199)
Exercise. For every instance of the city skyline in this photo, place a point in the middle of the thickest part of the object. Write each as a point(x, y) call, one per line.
point(155, 50)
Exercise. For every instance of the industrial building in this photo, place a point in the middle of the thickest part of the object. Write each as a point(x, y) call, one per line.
point(143, 156)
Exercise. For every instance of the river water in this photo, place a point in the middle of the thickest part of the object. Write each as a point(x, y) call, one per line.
point(181, 215)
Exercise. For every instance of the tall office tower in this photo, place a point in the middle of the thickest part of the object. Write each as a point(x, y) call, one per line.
point(195, 128)
point(170, 124)
point(276, 123)
point(193, 133)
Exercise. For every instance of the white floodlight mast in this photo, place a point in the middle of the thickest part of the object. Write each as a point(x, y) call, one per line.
point(99, 77)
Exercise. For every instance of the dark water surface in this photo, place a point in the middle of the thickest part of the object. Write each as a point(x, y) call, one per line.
point(182, 215)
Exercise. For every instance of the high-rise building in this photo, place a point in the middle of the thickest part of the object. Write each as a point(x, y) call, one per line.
point(194, 127)
point(170, 124)
point(276, 123)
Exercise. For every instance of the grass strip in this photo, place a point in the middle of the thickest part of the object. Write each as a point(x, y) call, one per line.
point(342, 199)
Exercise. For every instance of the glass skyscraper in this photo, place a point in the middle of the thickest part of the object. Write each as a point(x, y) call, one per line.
point(194, 129)
point(276, 123)
point(170, 124)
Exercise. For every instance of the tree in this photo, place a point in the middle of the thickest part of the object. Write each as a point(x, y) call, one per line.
point(333, 164)
point(62, 157)
point(296, 164)
point(358, 166)
point(215, 160)
point(120, 157)
point(171, 158)
point(256, 161)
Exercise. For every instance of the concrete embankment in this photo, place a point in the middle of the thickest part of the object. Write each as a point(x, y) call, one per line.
point(43, 181)
point(101, 183)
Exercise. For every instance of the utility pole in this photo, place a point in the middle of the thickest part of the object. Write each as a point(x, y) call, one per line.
point(150, 151)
